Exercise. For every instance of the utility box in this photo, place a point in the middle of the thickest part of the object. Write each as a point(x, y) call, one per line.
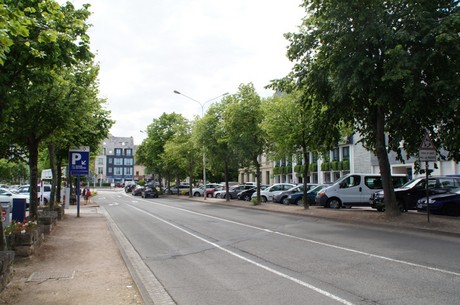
point(19, 209)
point(6, 210)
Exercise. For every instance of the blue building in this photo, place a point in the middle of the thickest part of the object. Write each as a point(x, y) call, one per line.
point(115, 164)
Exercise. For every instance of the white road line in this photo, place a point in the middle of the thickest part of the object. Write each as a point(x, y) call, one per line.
point(316, 289)
point(319, 243)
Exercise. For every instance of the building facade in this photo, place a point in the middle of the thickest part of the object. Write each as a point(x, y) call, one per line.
point(115, 164)
point(347, 158)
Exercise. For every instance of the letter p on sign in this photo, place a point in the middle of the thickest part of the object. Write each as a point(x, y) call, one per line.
point(75, 158)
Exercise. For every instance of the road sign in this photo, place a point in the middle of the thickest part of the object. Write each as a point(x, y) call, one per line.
point(427, 150)
point(79, 161)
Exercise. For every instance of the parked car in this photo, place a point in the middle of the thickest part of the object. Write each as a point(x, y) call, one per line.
point(25, 190)
point(180, 189)
point(232, 192)
point(353, 190)
point(149, 192)
point(296, 198)
point(282, 197)
point(444, 204)
point(268, 193)
point(408, 194)
point(129, 188)
point(210, 188)
point(246, 195)
point(137, 191)
point(7, 196)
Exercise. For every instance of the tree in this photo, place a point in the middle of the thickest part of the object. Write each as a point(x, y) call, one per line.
point(380, 65)
point(35, 76)
point(180, 152)
point(243, 118)
point(150, 151)
point(294, 124)
point(211, 130)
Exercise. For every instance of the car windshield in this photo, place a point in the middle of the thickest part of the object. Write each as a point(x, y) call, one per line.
point(317, 189)
point(298, 188)
point(411, 184)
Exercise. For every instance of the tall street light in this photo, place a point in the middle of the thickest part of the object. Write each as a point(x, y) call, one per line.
point(202, 115)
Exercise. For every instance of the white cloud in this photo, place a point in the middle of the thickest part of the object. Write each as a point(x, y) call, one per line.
point(203, 48)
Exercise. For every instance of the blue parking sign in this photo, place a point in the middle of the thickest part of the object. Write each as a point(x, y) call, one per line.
point(79, 161)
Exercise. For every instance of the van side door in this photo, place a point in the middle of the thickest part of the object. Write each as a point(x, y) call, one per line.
point(350, 190)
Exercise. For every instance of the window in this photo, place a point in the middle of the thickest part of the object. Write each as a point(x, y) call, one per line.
point(128, 152)
point(110, 160)
point(335, 154)
point(118, 161)
point(100, 170)
point(373, 182)
point(118, 151)
point(346, 153)
point(351, 181)
point(110, 170)
point(129, 161)
point(128, 171)
point(118, 171)
point(100, 161)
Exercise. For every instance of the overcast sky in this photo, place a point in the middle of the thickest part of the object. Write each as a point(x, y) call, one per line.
point(203, 48)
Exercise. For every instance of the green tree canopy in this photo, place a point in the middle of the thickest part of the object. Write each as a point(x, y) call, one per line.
point(381, 65)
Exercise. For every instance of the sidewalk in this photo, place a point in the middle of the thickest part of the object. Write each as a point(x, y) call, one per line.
point(79, 263)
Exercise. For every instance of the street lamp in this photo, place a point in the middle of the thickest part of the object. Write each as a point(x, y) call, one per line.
point(202, 114)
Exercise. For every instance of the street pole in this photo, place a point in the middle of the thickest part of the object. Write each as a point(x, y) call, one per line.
point(204, 147)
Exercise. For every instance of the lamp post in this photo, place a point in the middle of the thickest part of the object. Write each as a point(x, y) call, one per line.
point(202, 115)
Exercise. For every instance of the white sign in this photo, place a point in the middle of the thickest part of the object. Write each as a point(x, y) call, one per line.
point(427, 150)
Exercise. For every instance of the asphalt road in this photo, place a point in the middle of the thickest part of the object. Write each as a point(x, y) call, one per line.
point(187, 252)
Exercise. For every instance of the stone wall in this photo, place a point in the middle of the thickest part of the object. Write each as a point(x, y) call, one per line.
point(6, 268)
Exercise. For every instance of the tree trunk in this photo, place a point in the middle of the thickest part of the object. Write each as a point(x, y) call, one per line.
point(33, 167)
point(58, 180)
point(190, 173)
point(227, 197)
point(391, 206)
point(257, 165)
point(53, 174)
point(305, 175)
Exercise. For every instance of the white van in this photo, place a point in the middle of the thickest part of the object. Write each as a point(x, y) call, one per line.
point(354, 190)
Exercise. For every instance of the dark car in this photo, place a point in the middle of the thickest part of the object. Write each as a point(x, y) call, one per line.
point(137, 191)
point(233, 191)
point(296, 198)
point(129, 188)
point(408, 194)
point(247, 194)
point(283, 196)
point(150, 192)
point(445, 204)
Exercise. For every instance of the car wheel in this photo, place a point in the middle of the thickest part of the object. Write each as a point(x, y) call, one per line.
point(285, 200)
point(263, 198)
point(208, 195)
point(219, 196)
point(196, 194)
point(334, 203)
point(381, 209)
point(247, 198)
point(298, 201)
point(401, 207)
